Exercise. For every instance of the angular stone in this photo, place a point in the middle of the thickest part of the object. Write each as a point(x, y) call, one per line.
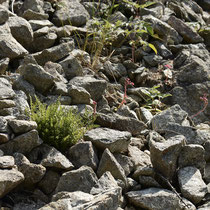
point(9, 179)
point(4, 65)
point(73, 13)
point(83, 154)
point(49, 181)
point(95, 87)
point(7, 162)
point(109, 163)
point(121, 123)
point(6, 103)
point(192, 155)
point(191, 184)
point(33, 173)
point(60, 204)
point(23, 143)
point(114, 140)
point(54, 53)
point(6, 91)
point(37, 24)
point(3, 125)
point(4, 137)
point(71, 67)
point(82, 179)
point(21, 30)
point(155, 198)
point(164, 155)
point(4, 14)
point(22, 126)
point(184, 30)
point(37, 76)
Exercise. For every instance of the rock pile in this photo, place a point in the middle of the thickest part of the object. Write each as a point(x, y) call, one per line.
point(136, 159)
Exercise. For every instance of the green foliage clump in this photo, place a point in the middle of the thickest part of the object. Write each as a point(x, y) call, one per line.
point(58, 126)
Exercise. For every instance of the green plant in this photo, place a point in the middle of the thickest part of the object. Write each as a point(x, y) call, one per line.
point(58, 126)
point(153, 99)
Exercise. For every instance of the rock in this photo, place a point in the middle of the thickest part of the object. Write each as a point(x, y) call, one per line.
point(153, 60)
point(76, 198)
point(6, 91)
point(4, 65)
point(106, 182)
point(191, 184)
point(115, 141)
point(4, 15)
point(148, 181)
point(9, 179)
point(163, 50)
point(82, 179)
point(205, 4)
point(206, 176)
point(164, 30)
point(196, 71)
point(145, 115)
point(138, 157)
point(205, 33)
point(4, 137)
point(37, 24)
point(71, 67)
point(154, 198)
point(121, 123)
point(7, 162)
point(71, 13)
point(79, 95)
point(37, 76)
point(50, 157)
point(60, 204)
point(109, 163)
point(95, 87)
point(54, 53)
point(83, 153)
point(164, 155)
point(23, 143)
point(22, 126)
point(6, 103)
point(49, 181)
point(3, 125)
point(21, 30)
point(33, 173)
point(9, 47)
point(192, 155)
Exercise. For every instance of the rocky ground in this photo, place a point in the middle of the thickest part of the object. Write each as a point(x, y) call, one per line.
point(149, 152)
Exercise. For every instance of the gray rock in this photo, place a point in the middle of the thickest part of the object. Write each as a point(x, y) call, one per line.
point(21, 30)
point(195, 71)
point(54, 53)
point(82, 179)
point(33, 173)
point(79, 95)
point(205, 206)
point(23, 143)
point(207, 173)
point(121, 123)
point(163, 50)
point(60, 204)
point(192, 155)
point(148, 181)
point(32, 15)
point(125, 162)
point(71, 13)
point(109, 163)
point(102, 138)
point(6, 103)
point(71, 67)
point(117, 16)
point(7, 162)
point(4, 65)
point(164, 30)
point(49, 181)
point(6, 91)
point(153, 60)
point(4, 15)
point(164, 155)
point(4, 137)
point(145, 115)
point(9, 47)
point(76, 198)
point(191, 184)
point(37, 76)
point(37, 24)
point(106, 182)
point(3, 125)
point(83, 154)
point(205, 33)
point(138, 157)
point(1, 153)
point(155, 198)
point(9, 179)
point(95, 87)
point(22, 126)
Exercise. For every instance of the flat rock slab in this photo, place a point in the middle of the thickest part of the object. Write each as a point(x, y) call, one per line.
point(6, 91)
point(6, 162)
point(155, 198)
point(9, 179)
point(114, 140)
point(191, 184)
